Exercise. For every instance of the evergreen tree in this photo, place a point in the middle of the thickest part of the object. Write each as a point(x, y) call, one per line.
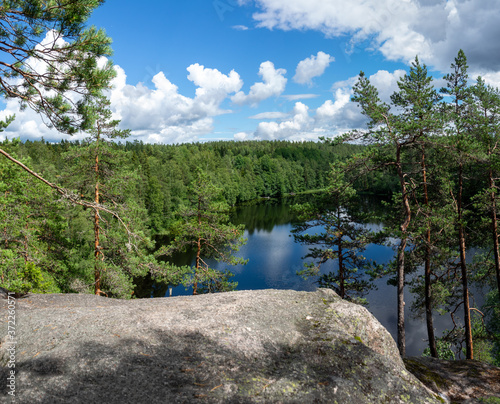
point(47, 76)
point(341, 239)
point(204, 227)
point(43, 77)
point(32, 243)
point(485, 126)
point(388, 146)
point(460, 140)
point(98, 170)
point(419, 119)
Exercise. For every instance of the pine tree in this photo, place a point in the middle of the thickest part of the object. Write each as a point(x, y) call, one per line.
point(44, 77)
point(47, 76)
point(461, 141)
point(388, 148)
point(392, 138)
point(204, 226)
point(485, 126)
point(102, 130)
point(419, 119)
point(341, 239)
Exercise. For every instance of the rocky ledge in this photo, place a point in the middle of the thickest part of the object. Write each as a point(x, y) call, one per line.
point(264, 346)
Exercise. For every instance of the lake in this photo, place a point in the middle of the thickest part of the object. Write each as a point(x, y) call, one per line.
point(275, 258)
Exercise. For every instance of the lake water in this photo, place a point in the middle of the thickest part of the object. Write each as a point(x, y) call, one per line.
point(275, 258)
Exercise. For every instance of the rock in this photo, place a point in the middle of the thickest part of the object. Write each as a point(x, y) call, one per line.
point(461, 381)
point(265, 346)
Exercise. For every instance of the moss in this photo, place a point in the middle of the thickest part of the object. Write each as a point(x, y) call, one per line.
point(490, 400)
point(358, 339)
point(426, 375)
point(405, 398)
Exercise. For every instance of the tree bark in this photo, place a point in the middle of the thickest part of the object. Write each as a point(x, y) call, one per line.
point(341, 263)
point(463, 267)
point(97, 249)
point(198, 251)
point(494, 229)
point(401, 256)
point(427, 267)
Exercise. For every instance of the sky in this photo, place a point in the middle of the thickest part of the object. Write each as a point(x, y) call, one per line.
point(207, 70)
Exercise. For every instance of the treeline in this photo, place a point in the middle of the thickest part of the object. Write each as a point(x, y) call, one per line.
point(244, 170)
point(47, 243)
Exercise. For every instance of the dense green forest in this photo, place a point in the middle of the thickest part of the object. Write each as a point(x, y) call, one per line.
point(147, 184)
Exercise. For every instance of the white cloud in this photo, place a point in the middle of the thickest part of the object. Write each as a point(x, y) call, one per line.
point(240, 27)
point(311, 67)
point(399, 29)
point(29, 125)
point(299, 123)
point(270, 115)
point(331, 109)
point(386, 83)
point(493, 79)
point(158, 115)
point(334, 117)
point(273, 85)
point(295, 97)
point(163, 114)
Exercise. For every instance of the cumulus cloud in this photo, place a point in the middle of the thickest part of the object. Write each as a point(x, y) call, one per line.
point(163, 114)
point(273, 84)
point(302, 123)
point(435, 30)
point(286, 129)
point(493, 79)
point(157, 115)
point(311, 67)
point(334, 117)
point(386, 83)
point(28, 124)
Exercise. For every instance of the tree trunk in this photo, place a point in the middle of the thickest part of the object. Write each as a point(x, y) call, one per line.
point(341, 263)
point(401, 256)
point(494, 229)
point(198, 252)
point(97, 248)
point(197, 268)
point(463, 266)
point(427, 270)
point(401, 299)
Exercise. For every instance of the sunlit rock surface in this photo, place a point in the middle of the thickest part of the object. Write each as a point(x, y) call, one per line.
point(265, 346)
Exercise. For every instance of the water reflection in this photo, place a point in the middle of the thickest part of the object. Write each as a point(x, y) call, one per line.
point(274, 259)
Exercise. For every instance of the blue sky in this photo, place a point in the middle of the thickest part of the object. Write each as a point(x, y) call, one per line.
point(199, 70)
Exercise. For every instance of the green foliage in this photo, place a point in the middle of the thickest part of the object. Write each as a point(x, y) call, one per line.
point(444, 350)
point(204, 227)
point(27, 277)
point(341, 239)
point(147, 185)
point(492, 310)
point(69, 58)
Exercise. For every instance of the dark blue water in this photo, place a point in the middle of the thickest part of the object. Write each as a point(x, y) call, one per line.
point(275, 258)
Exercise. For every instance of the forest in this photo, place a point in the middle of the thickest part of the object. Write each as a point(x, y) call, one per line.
point(80, 216)
point(49, 245)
